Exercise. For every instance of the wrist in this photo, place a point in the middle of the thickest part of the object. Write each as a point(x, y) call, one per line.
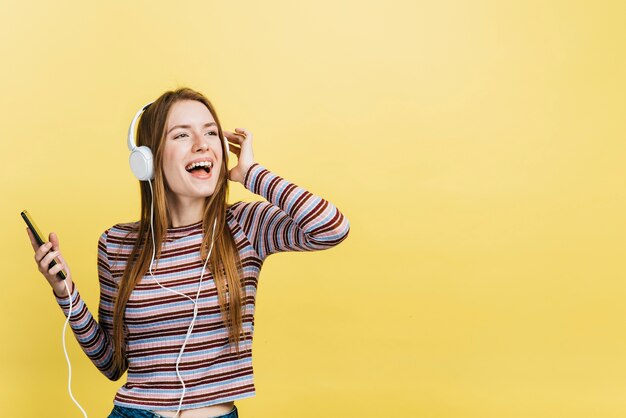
point(247, 172)
point(61, 291)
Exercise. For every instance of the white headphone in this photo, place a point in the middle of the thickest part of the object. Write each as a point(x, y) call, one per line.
point(141, 161)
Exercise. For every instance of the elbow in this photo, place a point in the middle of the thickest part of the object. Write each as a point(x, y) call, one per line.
point(114, 375)
point(333, 236)
point(343, 231)
point(112, 371)
point(341, 227)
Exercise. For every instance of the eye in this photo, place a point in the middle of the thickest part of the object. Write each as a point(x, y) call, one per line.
point(212, 133)
point(180, 135)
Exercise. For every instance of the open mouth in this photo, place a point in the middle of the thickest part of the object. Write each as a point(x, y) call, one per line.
point(200, 168)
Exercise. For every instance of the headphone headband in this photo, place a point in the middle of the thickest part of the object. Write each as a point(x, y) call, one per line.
point(132, 144)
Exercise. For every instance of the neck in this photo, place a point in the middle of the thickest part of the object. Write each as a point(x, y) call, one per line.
point(184, 210)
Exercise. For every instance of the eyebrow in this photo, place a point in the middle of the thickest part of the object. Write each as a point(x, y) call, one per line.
point(206, 125)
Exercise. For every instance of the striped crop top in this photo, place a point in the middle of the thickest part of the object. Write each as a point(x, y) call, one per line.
point(157, 320)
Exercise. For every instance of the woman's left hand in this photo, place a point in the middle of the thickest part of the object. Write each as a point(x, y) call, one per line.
point(240, 143)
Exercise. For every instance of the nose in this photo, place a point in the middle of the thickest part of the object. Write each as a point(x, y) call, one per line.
point(200, 143)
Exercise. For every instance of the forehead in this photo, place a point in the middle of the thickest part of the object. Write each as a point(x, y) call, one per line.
point(189, 112)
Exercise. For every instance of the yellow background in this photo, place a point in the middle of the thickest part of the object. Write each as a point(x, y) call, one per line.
point(477, 148)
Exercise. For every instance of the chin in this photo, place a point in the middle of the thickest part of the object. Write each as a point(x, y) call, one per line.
point(205, 191)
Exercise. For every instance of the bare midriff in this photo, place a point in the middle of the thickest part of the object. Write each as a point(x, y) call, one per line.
point(206, 412)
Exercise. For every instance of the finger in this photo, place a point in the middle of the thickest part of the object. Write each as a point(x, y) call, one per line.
point(235, 150)
point(245, 133)
point(45, 262)
point(42, 251)
point(240, 137)
point(54, 239)
point(236, 139)
point(56, 269)
point(66, 269)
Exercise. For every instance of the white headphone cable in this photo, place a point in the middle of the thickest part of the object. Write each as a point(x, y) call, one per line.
point(195, 303)
point(67, 358)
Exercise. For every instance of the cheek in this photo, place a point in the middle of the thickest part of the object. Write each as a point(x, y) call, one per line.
point(170, 171)
point(216, 147)
point(220, 155)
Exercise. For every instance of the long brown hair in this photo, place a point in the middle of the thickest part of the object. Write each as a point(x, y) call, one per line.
point(224, 263)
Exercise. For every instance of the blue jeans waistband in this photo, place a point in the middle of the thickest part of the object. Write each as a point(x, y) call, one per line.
point(124, 412)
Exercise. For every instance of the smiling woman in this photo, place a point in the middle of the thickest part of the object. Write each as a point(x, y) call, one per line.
point(186, 342)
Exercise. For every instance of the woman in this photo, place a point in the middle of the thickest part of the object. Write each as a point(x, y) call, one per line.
point(180, 316)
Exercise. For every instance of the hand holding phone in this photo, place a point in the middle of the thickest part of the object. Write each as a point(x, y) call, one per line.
point(51, 268)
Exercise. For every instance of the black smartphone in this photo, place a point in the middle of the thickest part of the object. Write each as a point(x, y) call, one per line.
point(39, 238)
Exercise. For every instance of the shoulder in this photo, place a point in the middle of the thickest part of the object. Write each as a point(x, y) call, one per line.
point(120, 233)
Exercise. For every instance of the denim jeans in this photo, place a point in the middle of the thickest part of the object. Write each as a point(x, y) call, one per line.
point(123, 412)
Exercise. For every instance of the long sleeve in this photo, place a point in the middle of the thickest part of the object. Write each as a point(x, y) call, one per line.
point(96, 338)
point(292, 219)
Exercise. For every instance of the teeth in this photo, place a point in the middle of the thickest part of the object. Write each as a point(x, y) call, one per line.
point(199, 164)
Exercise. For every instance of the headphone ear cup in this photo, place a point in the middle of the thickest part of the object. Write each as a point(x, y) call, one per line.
point(141, 163)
